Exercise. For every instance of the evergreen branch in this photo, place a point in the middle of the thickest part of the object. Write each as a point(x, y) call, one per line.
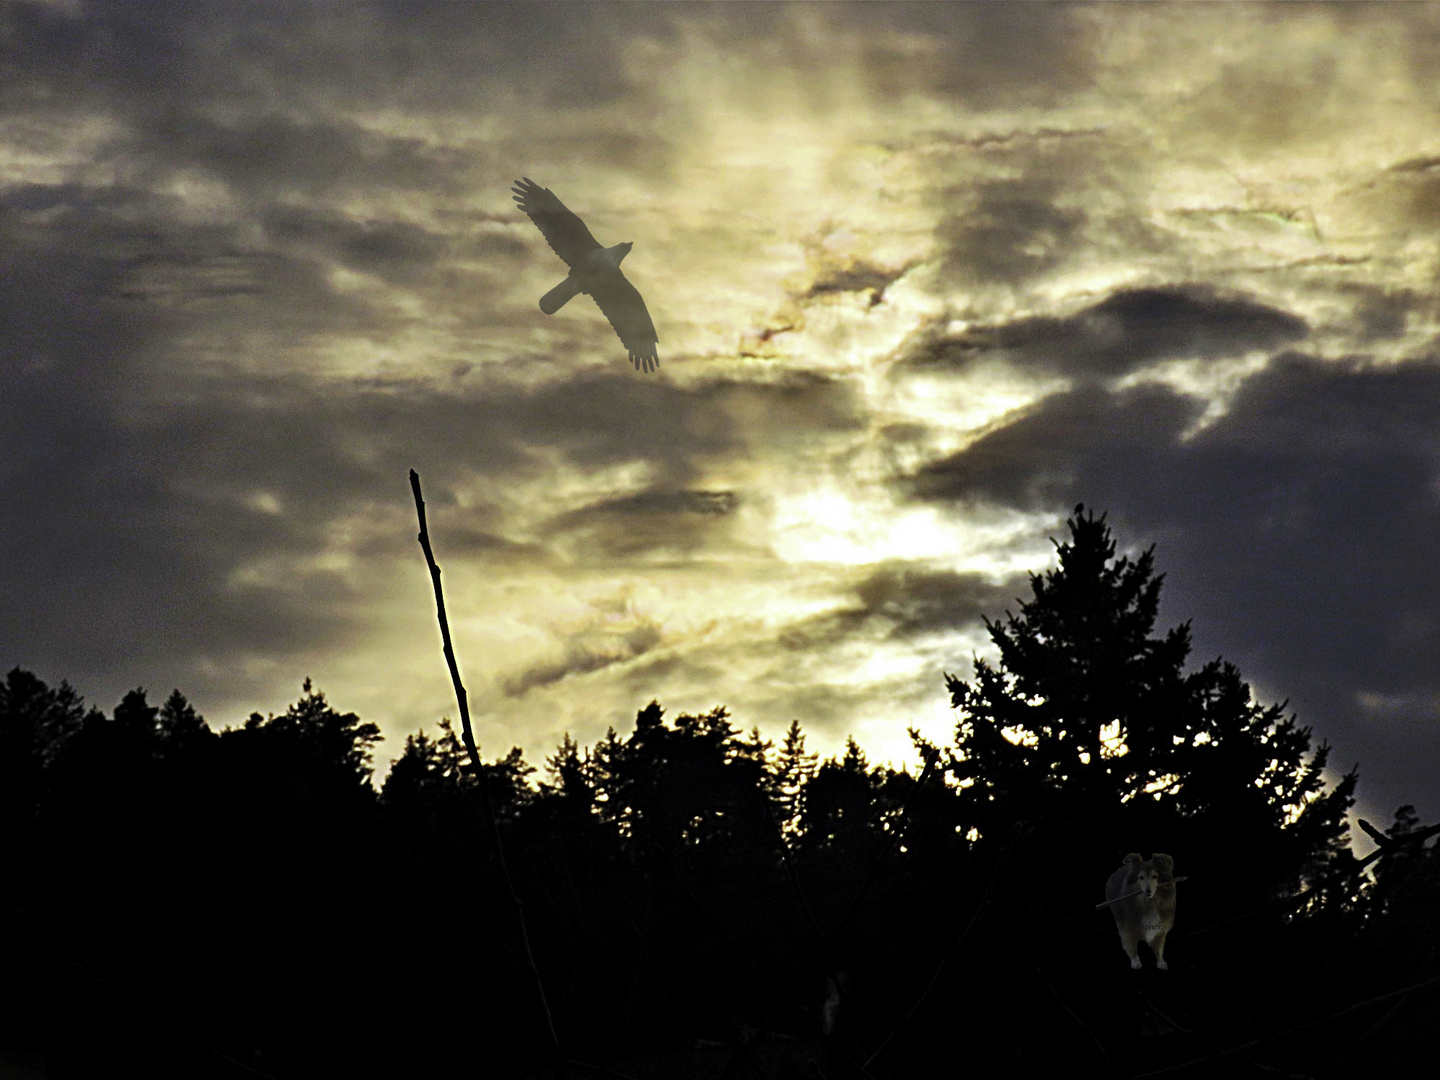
point(474, 754)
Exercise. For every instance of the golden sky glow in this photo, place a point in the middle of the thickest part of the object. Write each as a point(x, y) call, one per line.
point(923, 277)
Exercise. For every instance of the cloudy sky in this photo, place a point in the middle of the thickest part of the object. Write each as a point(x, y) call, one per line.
point(924, 278)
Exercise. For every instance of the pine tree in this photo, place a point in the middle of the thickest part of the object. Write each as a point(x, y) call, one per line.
point(37, 725)
point(310, 749)
point(840, 808)
point(1092, 723)
point(138, 719)
point(694, 785)
point(417, 785)
point(793, 770)
point(180, 727)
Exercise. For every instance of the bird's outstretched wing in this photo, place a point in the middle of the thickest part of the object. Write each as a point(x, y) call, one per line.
point(563, 231)
point(622, 305)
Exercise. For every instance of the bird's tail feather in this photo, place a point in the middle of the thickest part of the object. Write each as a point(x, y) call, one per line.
point(557, 297)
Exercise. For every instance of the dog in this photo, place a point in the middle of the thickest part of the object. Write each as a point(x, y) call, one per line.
point(1151, 913)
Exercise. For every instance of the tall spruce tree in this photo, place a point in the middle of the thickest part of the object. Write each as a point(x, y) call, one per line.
point(1091, 726)
point(793, 770)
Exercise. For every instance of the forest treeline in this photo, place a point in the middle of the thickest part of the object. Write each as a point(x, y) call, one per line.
point(687, 898)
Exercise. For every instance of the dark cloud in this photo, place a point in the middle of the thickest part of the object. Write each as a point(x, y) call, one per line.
point(1300, 74)
point(463, 539)
point(858, 277)
point(394, 251)
point(585, 656)
point(660, 501)
point(900, 601)
point(982, 55)
point(1125, 332)
point(170, 519)
point(792, 410)
point(1383, 314)
point(286, 106)
point(1011, 230)
point(435, 58)
point(654, 521)
point(1409, 192)
point(918, 600)
point(74, 250)
point(270, 156)
point(1021, 204)
point(1297, 530)
point(1036, 461)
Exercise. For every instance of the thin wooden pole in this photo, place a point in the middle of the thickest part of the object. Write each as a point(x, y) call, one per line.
point(469, 736)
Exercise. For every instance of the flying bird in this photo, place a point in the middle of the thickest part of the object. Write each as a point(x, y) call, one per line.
point(593, 269)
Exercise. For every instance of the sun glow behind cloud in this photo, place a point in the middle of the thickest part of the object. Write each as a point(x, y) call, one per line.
point(923, 277)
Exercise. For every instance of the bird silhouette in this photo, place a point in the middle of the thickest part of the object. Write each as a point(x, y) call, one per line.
point(594, 270)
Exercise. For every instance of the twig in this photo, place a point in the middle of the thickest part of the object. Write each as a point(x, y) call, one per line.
point(1139, 892)
point(1182, 1066)
point(469, 737)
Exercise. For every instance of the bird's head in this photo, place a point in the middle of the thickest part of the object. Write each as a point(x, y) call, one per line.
point(618, 252)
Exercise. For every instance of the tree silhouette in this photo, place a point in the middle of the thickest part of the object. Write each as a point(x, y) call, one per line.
point(1404, 922)
point(1091, 722)
point(691, 891)
point(181, 729)
point(839, 803)
point(36, 725)
point(336, 746)
point(691, 786)
point(793, 771)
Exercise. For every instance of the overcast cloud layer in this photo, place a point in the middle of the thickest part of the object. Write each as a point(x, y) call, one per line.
point(924, 278)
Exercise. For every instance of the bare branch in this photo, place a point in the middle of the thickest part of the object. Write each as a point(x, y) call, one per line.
point(1375, 834)
point(469, 737)
point(460, 697)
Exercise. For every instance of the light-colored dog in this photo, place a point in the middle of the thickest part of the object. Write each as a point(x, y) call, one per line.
point(1151, 913)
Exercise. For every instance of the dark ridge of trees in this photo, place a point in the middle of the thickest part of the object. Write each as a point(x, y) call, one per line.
point(182, 902)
